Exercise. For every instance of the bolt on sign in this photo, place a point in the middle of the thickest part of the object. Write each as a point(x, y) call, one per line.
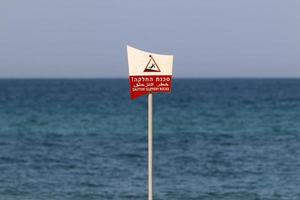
point(148, 72)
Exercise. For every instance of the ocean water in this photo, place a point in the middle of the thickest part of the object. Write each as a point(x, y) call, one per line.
point(214, 139)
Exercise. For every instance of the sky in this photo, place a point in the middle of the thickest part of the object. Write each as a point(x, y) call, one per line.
point(208, 38)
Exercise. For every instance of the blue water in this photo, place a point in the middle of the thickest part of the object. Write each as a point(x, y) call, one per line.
point(227, 139)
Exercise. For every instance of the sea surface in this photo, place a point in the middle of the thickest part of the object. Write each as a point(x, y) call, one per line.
point(214, 139)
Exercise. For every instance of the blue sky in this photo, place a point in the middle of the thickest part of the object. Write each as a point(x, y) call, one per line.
point(209, 38)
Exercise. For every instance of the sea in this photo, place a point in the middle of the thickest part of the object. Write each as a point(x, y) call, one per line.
point(214, 139)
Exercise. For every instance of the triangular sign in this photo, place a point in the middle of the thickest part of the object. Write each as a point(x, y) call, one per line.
point(151, 66)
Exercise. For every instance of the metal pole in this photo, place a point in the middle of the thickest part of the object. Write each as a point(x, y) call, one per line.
point(150, 145)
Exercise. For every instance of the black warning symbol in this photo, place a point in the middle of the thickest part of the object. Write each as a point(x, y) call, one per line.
point(151, 66)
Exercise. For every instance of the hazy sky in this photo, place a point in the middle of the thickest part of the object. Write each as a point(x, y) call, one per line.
point(209, 38)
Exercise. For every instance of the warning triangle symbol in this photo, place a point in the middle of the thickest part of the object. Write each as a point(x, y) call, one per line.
point(152, 66)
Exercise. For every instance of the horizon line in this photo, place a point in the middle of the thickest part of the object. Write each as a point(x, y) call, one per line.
point(217, 77)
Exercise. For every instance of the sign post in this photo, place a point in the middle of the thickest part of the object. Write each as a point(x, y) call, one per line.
point(150, 146)
point(149, 73)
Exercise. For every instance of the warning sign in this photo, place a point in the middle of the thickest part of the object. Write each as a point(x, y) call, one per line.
point(149, 72)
